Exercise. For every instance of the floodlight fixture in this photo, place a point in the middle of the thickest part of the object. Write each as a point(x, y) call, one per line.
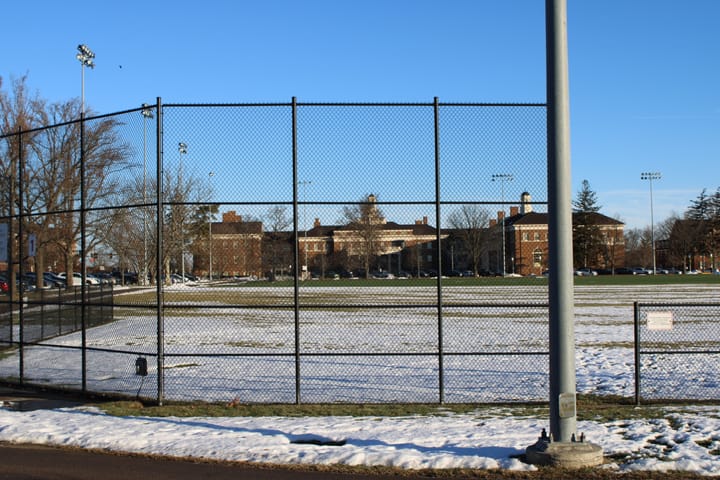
point(147, 111)
point(85, 56)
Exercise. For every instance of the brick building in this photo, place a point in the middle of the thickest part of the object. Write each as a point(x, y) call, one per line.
point(236, 247)
point(526, 238)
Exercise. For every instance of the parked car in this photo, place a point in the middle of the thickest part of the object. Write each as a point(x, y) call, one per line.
point(29, 281)
point(640, 271)
point(624, 271)
point(673, 271)
point(53, 280)
point(585, 272)
point(78, 278)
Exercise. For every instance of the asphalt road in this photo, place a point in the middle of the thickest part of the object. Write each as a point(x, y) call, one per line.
point(33, 462)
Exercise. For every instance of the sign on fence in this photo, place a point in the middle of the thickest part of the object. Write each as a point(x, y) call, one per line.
point(659, 320)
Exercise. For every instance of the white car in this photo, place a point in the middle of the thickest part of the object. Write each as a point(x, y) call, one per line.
point(77, 278)
point(585, 272)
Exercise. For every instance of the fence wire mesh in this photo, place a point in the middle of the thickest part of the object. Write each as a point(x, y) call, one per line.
point(677, 351)
point(295, 252)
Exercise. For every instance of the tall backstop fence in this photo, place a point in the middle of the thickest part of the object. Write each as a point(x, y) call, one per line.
point(219, 223)
point(290, 252)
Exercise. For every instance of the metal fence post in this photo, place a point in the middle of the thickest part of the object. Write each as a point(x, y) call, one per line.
point(438, 255)
point(636, 324)
point(296, 251)
point(21, 315)
point(83, 262)
point(158, 254)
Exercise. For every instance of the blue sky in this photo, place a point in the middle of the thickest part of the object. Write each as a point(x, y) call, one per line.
point(644, 74)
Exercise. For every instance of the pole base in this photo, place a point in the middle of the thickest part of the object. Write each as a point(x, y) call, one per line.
point(564, 454)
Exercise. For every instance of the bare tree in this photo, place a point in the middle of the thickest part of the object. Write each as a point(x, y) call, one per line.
point(364, 226)
point(276, 251)
point(471, 223)
point(18, 113)
point(57, 177)
point(638, 250)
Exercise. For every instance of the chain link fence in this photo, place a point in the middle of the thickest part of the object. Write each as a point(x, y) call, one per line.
point(290, 252)
point(677, 348)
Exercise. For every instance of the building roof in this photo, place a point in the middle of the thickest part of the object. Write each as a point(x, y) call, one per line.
point(237, 228)
point(537, 218)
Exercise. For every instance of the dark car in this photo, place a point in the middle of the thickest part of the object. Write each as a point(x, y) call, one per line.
point(55, 281)
point(624, 271)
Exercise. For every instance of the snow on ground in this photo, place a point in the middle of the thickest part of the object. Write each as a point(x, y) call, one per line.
point(666, 440)
point(673, 441)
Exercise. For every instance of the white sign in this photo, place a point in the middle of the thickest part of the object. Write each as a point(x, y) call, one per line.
point(32, 245)
point(3, 242)
point(659, 320)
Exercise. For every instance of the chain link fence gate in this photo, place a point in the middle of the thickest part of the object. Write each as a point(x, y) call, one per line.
point(290, 252)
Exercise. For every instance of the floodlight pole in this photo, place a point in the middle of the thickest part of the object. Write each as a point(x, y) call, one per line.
point(502, 178)
point(650, 176)
point(182, 149)
point(304, 184)
point(210, 219)
point(147, 114)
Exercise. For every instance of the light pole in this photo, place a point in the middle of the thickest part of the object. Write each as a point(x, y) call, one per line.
point(502, 178)
point(650, 176)
point(210, 219)
point(85, 56)
point(147, 114)
point(304, 184)
point(182, 149)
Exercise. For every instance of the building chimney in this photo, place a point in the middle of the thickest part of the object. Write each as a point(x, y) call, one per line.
point(501, 215)
point(493, 222)
point(525, 206)
point(316, 224)
point(231, 217)
point(513, 211)
point(425, 220)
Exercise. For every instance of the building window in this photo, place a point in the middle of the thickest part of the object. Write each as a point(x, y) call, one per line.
point(537, 258)
point(526, 236)
point(537, 236)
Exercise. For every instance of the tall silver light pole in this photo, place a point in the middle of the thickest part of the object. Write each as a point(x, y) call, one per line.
point(182, 148)
point(502, 178)
point(304, 184)
point(210, 219)
point(85, 56)
point(147, 114)
point(650, 176)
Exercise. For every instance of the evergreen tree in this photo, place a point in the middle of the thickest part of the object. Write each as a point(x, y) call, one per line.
point(704, 215)
point(586, 201)
point(587, 238)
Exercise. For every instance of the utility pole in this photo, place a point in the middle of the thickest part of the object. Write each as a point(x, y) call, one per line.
point(563, 447)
